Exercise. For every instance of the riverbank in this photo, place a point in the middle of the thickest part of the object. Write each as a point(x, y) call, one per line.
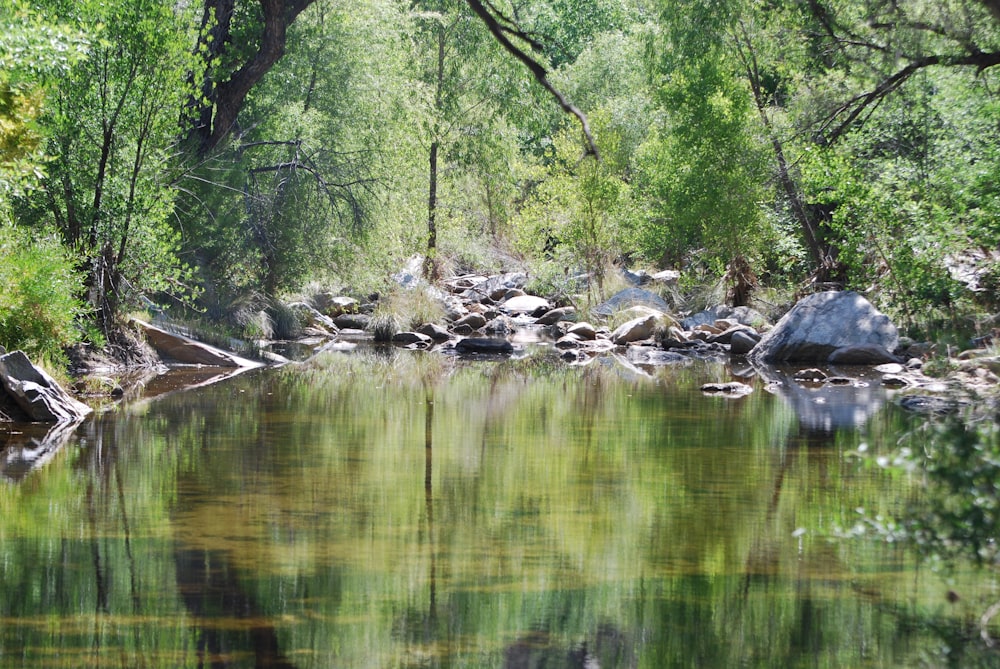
point(477, 315)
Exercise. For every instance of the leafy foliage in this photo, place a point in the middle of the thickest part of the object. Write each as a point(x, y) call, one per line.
point(38, 307)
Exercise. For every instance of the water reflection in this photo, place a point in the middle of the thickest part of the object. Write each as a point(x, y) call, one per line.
point(824, 407)
point(28, 446)
point(403, 509)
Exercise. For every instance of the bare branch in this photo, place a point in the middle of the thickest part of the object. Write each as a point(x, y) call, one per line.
point(500, 33)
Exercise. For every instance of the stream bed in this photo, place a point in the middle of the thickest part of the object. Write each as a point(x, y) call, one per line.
point(387, 508)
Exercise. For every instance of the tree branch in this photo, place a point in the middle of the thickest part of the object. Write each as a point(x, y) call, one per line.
point(857, 105)
point(500, 33)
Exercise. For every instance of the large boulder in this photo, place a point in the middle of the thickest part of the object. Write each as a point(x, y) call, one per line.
point(36, 393)
point(636, 329)
point(822, 323)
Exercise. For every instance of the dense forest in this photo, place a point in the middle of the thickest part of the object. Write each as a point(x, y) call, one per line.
point(214, 157)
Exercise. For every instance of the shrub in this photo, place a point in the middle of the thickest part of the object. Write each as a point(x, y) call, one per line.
point(38, 304)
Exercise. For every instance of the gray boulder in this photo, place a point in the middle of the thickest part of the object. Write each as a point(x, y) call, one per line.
point(822, 323)
point(743, 341)
point(474, 321)
point(352, 321)
point(412, 339)
point(495, 287)
point(36, 393)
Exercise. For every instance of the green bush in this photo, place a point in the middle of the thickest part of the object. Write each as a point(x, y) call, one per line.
point(38, 303)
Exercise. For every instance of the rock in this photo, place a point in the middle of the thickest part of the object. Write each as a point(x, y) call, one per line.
point(822, 323)
point(667, 277)
point(459, 284)
point(500, 326)
point(36, 393)
point(598, 345)
point(334, 305)
point(811, 374)
point(647, 355)
point(434, 331)
point(838, 381)
point(568, 341)
point(495, 287)
point(742, 315)
point(526, 304)
point(98, 386)
point(674, 337)
point(409, 276)
point(484, 345)
point(638, 278)
point(890, 368)
point(414, 339)
point(181, 349)
point(583, 330)
point(896, 381)
point(742, 342)
point(310, 317)
point(473, 321)
point(555, 315)
point(631, 297)
point(930, 404)
point(636, 329)
point(861, 354)
point(733, 389)
point(352, 321)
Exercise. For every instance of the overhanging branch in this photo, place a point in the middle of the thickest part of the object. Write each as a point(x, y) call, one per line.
point(500, 28)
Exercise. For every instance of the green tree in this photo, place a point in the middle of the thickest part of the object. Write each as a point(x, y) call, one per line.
point(112, 125)
point(704, 167)
point(34, 54)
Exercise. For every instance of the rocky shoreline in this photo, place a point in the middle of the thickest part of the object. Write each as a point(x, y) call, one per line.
point(828, 338)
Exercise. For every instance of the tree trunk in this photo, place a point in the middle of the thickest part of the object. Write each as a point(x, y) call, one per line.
point(216, 117)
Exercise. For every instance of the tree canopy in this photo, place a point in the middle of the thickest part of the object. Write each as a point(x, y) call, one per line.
point(216, 156)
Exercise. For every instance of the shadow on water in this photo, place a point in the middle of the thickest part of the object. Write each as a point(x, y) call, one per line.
point(231, 627)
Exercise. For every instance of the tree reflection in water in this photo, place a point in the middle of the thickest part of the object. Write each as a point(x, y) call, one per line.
point(953, 521)
point(230, 623)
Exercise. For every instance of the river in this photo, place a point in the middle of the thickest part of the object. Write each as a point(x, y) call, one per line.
point(387, 508)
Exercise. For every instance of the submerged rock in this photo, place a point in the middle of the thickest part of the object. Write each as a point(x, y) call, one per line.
point(732, 389)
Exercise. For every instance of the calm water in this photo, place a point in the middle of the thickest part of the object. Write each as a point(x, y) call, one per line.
point(413, 510)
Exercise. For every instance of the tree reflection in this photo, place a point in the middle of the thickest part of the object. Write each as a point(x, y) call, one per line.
point(952, 522)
